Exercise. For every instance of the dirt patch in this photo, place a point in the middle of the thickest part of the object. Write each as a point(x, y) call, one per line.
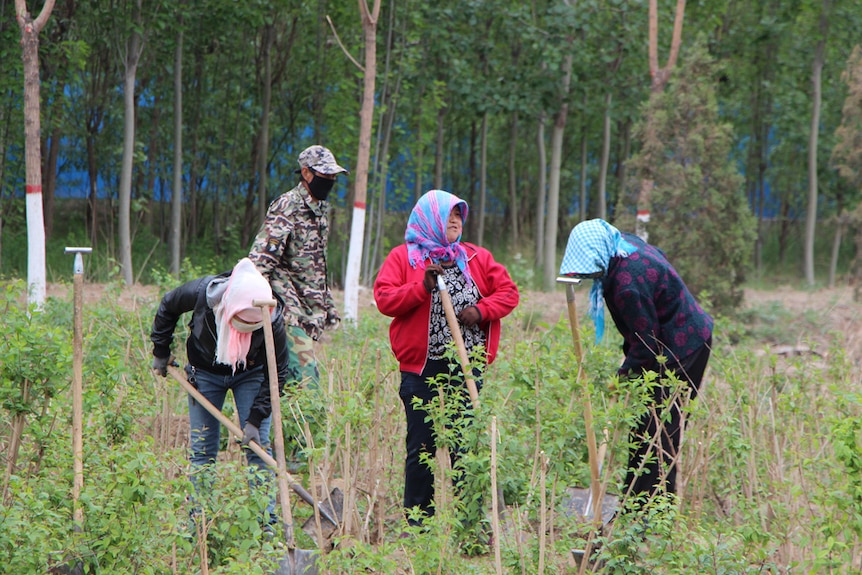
point(813, 318)
point(128, 297)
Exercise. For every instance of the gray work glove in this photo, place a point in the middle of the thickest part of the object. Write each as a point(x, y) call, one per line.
point(333, 320)
point(160, 365)
point(250, 433)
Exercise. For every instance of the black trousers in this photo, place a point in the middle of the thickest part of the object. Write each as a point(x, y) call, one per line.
point(654, 455)
point(418, 477)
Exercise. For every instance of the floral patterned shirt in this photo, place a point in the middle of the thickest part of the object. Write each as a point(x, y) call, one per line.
point(653, 309)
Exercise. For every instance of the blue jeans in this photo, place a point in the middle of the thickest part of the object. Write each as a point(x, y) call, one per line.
point(205, 433)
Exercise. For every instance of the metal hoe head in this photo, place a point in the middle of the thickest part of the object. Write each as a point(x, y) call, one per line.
point(330, 511)
point(568, 280)
point(298, 562)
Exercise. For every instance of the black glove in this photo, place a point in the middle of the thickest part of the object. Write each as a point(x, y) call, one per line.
point(160, 365)
point(250, 433)
point(470, 316)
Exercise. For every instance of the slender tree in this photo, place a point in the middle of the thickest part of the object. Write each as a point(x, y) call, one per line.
point(30, 30)
point(660, 77)
point(706, 228)
point(551, 227)
point(177, 188)
point(363, 156)
point(813, 139)
point(134, 48)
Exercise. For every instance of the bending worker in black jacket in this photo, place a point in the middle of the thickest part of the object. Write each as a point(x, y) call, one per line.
point(226, 351)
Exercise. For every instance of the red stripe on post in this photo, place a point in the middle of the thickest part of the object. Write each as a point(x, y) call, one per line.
point(360, 205)
point(33, 189)
point(643, 212)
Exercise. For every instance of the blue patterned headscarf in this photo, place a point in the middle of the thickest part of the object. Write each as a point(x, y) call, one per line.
point(426, 231)
point(591, 246)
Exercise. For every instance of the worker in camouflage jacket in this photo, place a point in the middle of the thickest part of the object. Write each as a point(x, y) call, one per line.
point(290, 251)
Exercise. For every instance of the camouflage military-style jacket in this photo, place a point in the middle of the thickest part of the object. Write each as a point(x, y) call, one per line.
point(290, 251)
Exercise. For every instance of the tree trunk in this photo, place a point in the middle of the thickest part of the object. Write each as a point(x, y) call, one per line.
point(840, 222)
point(603, 167)
point(384, 174)
point(366, 116)
point(374, 233)
point(623, 155)
point(660, 77)
point(541, 192)
point(176, 239)
point(50, 179)
point(438, 151)
point(582, 184)
point(483, 180)
point(17, 431)
point(263, 149)
point(513, 181)
point(135, 46)
point(550, 264)
point(195, 198)
point(811, 213)
point(420, 158)
point(32, 154)
point(93, 194)
point(6, 121)
point(96, 95)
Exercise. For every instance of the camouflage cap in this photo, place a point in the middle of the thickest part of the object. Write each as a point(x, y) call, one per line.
point(320, 160)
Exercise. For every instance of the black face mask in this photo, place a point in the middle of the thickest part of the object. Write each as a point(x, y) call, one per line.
point(319, 187)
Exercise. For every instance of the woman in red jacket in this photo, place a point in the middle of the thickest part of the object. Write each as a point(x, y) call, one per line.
point(406, 290)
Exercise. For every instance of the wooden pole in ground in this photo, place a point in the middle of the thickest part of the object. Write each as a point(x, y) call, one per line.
point(78, 386)
point(495, 516)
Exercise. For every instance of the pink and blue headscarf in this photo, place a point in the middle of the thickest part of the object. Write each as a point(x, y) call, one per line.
point(426, 231)
point(589, 250)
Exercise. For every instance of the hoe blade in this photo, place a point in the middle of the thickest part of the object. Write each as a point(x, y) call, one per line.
point(331, 507)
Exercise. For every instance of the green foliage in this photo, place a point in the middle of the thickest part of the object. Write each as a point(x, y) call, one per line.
point(27, 381)
point(847, 153)
point(769, 479)
point(699, 215)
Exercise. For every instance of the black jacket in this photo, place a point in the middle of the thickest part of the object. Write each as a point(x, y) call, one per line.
point(201, 343)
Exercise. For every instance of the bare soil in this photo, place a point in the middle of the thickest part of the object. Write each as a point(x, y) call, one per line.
point(808, 319)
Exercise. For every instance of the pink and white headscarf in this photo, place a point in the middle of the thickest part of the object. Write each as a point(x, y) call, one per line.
point(426, 231)
point(236, 316)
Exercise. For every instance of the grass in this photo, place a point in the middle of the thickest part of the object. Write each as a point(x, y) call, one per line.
point(770, 465)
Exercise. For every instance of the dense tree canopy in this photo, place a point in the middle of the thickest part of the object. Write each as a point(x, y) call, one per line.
point(447, 73)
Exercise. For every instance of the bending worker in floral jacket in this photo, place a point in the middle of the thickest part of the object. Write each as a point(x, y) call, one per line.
point(658, 317)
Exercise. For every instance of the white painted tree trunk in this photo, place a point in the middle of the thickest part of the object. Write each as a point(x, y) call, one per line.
point(351, 281)
point(363, 157)
point(35, 250)
point(30, 29)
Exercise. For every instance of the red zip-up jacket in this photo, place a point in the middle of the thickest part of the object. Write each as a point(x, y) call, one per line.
point(400, 294)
